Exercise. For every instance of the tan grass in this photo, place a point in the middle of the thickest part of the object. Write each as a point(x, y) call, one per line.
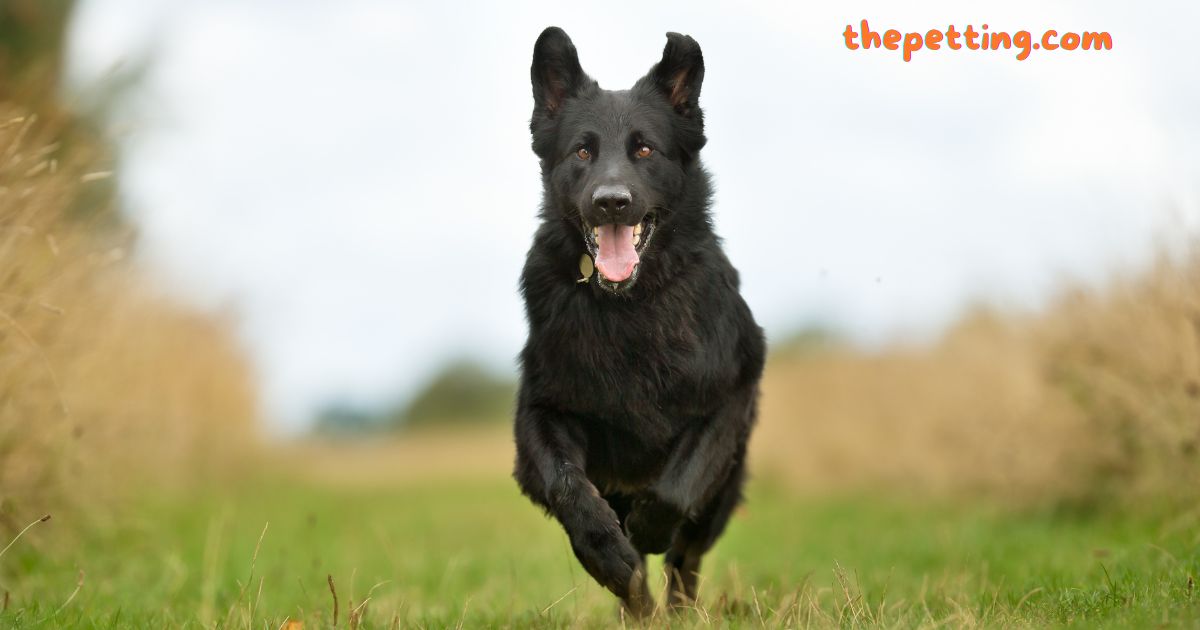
point(101, 377)
point(1098, 396)
point(428, 455)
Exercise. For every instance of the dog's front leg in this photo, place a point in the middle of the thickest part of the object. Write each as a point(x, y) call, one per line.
point(550, 470)
point(701, 460)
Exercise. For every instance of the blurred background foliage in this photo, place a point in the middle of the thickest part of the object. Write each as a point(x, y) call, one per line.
point(32, 36)
point(463, 393)
point(106, 385)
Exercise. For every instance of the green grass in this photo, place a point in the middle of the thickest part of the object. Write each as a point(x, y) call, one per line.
point(479, 555)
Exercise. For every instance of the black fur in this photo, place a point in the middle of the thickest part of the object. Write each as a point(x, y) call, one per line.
point(637, 398)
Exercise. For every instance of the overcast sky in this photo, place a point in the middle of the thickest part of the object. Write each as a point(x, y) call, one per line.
point(354, 181)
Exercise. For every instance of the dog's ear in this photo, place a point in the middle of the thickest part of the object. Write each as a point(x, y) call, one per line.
point(680, 73)
point(556, 73)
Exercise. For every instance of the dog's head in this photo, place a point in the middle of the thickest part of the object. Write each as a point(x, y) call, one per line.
point(616, 162)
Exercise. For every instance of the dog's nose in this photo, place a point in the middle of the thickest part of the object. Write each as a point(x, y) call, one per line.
point(611, 199)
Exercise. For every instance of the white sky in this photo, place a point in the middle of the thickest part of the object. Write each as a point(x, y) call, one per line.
point(354, 180)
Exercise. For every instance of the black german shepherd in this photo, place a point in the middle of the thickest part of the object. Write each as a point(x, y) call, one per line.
point(640, 376)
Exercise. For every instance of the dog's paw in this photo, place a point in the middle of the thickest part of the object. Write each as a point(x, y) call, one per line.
point(605, 552)
point(638, 603)
point(651, 525)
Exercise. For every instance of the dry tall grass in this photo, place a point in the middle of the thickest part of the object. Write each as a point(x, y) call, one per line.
point(1097, 397)
point(103, 383)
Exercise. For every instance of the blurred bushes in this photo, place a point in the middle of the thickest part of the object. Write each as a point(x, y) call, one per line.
point(1128, 362)
point(102, 380)
point(1095, 399)
point(32, 34)
point(343, 419)
point(809, 341)
point(462, 393)
point(105, 384)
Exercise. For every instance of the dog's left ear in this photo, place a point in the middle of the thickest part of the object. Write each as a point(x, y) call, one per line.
point(680, 73)
point(556, 73)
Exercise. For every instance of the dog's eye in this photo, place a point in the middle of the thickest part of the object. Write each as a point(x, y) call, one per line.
point(643, 151)
point(583, 153)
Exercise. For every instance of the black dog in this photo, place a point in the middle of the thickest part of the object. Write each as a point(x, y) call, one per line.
point(639, 380)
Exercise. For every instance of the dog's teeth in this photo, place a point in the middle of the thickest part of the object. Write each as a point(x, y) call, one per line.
point(637, 229)
point(636, 239)
point(596, 232)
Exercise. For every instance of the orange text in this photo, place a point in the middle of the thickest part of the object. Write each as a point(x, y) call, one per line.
point(972, 39)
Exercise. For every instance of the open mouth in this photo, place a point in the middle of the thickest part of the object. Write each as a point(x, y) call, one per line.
point(617, 250)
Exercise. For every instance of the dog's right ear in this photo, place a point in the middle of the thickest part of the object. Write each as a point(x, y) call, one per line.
point(680, 73)
point(556, 73)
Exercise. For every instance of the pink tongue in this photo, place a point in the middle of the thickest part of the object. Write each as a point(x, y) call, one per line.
point(617, 256)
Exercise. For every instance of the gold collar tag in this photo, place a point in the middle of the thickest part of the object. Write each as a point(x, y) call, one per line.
point(585, 268)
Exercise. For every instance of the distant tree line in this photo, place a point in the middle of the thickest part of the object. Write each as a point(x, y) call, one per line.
point(462, 393)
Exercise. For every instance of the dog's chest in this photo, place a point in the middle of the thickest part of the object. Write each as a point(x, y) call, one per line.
point(639, 366)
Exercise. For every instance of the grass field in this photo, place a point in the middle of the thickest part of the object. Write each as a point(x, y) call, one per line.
point(471, 552)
